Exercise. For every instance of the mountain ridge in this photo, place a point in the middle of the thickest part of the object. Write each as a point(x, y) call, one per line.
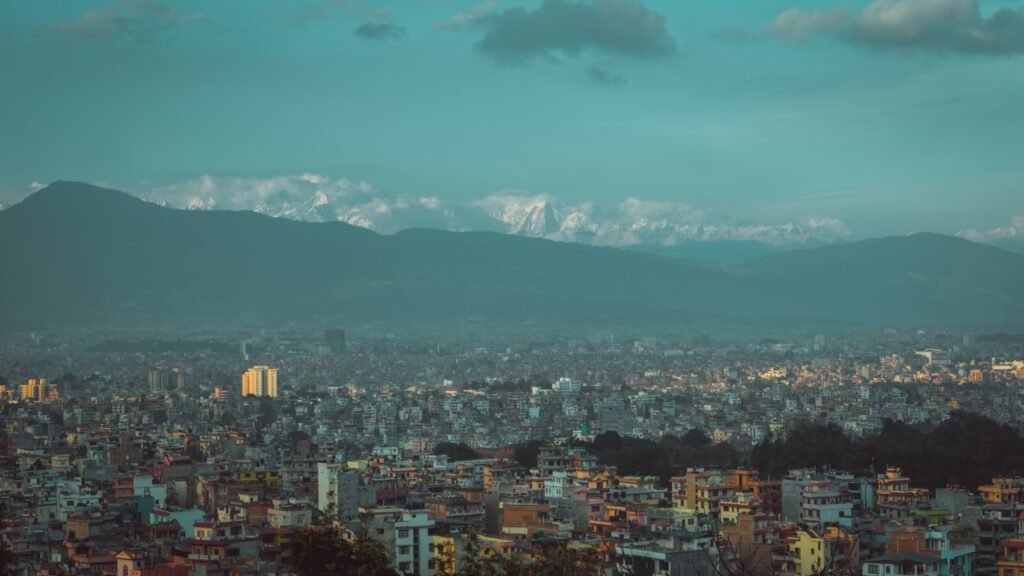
point(98, 256)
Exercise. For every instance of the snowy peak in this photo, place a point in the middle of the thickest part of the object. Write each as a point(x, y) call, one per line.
point(633, 222)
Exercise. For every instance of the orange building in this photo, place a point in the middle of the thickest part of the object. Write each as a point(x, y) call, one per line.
point(1002, 491)
point(1012, 561)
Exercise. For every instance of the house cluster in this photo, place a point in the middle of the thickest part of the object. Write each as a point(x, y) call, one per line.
point(108, 506)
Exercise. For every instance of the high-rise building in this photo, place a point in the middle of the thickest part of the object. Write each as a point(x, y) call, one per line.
point(260, 381)
point(335, 340)
point(164, 380)
point(34, 390)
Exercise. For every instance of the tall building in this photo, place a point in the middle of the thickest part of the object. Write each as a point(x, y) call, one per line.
point(260, 381)
point(165, 380)
point(335, 340)
point(34, 390)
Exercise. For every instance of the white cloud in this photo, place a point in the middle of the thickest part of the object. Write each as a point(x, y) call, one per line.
point(308, 197)
point(642, 222)
point(917, 25)
point(1013, 231)
point(798, 25)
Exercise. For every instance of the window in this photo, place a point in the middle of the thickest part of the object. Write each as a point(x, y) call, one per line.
point(403, 533)
point(405, 549)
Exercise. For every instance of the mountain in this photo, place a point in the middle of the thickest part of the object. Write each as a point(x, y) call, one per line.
point(85, 254)
point(897, 281)
point(632, 223)
point(78, 254)
point(732, 252)
point(1010, 244)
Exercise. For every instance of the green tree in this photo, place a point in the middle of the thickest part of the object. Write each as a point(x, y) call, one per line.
point(326, 551)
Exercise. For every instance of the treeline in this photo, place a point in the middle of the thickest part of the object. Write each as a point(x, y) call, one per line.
point(456, 452)
point(664, 458)
point(669, 456)
point(967, 450)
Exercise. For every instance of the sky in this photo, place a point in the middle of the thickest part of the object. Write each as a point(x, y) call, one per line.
point(861, 118)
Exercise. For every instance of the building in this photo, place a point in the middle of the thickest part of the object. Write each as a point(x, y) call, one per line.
point(341, 491)
point(956, 554)
point(901, 565)
point(822, 505)
point(335, 339)
point(165, 380)
point(1002, 491)
point(935, 357)
point(35, 390)
point(895, 497)
point(1012, 561)
point(566, 385)
point(405, 535)
point(260, 381)
point(811, 552)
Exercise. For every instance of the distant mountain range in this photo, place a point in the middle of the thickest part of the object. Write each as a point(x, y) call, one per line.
point(663, 227)
point(75, 254)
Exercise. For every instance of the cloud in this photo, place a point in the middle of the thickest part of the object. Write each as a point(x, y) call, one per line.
point(311, 197)
point(308, 197)
point(912, 25)
point(566, 27)
point(468, 18)
point(379, 31)
point(798, 25)
point(605, 77)
point(128, 19)
point(636, 221)
point(1013, 231)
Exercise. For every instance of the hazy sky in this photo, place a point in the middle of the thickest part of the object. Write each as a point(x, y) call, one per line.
point(892, 116)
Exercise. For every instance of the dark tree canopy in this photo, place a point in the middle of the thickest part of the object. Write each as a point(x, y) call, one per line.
point(665, 458)
point(324, 551)
point(967, 449)
point(456, 452)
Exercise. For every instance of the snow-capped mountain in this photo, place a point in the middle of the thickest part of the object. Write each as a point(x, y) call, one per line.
point(633, 222)
point(538, 216)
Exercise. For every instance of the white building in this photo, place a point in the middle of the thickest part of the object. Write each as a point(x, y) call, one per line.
point(405, 535)
point(566, 385)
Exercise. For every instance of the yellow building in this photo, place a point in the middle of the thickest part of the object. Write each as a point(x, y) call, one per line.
point(260, 381)
point(34, 390)
point(812, 552)
point(1002, 491)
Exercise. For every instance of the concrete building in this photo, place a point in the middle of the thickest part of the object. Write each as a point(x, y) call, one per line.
point(260, 381)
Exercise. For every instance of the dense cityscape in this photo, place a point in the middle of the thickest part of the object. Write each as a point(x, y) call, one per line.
point(511, 288)
point(232, 454)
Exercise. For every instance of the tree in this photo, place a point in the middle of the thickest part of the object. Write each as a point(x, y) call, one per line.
point(326, 551)
point(456, 452)
point(526, 454)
